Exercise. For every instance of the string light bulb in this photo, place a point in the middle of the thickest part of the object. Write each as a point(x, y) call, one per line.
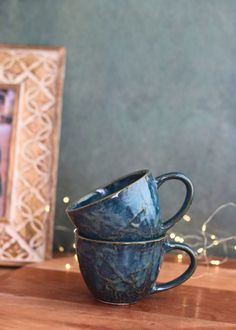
point(172, 235)
point(67, 266)
point(179, 239)
point(200, 250)
point(186, 218)
point(213, 236)
point(47, 208)
point(180, 257)
point(61, 248)
point(66, 199)
point(215, 262)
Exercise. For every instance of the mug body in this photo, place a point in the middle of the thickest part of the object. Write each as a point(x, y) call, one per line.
point(127, 209)
point(120, 272)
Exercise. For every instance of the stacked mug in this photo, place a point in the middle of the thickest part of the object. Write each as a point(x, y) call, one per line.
point(121, 238)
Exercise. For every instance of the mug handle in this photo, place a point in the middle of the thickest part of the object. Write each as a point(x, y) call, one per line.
point(169, 246)
point(187, 201)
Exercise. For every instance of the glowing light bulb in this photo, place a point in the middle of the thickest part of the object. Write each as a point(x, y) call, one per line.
point(172, 235)
point(200, 250)
point(61, 248)
point(179, 239)
point(66, 199)
point(47, 208)
point(67, 266)
point(215, 242)
point(204, 228)
point(186, 217)
point(234, 247)
point(213, 236)
point(180, 257)
point(215, 262)
point(74, 245)
point(75, 257)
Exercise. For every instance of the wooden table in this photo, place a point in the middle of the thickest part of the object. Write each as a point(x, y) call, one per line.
point(49, 296)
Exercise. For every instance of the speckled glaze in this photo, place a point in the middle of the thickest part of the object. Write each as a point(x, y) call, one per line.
point(127, 209)
point(124, 272)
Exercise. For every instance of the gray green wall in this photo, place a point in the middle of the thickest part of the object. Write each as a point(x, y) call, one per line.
point(149, 84)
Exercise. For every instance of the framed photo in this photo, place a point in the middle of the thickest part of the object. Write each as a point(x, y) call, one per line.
point(31, 82)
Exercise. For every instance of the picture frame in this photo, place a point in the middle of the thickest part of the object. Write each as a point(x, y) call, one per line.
point(31, 78)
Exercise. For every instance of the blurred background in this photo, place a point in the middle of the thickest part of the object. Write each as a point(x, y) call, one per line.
point(149, 84)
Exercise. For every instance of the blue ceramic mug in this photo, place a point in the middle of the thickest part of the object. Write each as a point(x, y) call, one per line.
point(127, 209)
point(124, 272)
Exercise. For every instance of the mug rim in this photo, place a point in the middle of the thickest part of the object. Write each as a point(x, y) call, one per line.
point(71, 207)
point(158, 239)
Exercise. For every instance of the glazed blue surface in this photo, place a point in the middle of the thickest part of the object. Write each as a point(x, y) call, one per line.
point(122, 273)
point(128, 209)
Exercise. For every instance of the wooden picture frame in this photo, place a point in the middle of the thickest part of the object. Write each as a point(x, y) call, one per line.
point(36, 74)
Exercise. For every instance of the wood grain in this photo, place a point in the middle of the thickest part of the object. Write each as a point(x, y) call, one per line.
point(46, 295)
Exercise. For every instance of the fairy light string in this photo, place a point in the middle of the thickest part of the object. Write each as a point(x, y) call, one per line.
point(201, 240)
